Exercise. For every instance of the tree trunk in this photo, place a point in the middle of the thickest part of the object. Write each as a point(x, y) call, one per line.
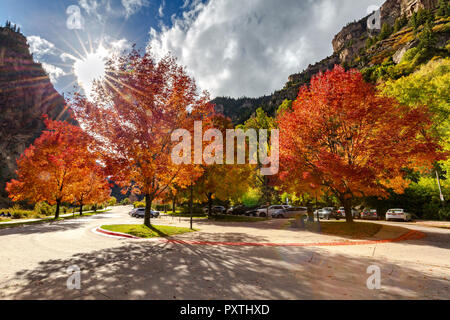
point(191, 205)
point(210, 204)
point(347, 203)
point(174, 203)
point(58, 204)
point(310, 212)
point(81, 209)
point(148, 208)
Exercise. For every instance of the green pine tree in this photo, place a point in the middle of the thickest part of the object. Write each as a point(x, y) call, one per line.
point(386, 31)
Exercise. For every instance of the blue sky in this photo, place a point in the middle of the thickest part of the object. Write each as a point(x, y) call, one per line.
point(231, 47)
point(107, 21)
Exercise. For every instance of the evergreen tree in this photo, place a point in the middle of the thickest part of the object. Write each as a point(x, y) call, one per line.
point(413, 22)
point(400, 23)
point(386, 31)
point(427, 38)
point(443, 8)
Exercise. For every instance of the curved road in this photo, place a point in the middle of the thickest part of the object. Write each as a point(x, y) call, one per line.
point(34, 261)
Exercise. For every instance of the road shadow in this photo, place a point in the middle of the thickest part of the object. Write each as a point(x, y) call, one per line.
point(148, 270)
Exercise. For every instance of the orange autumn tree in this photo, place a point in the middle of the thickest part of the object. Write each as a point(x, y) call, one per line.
point(340, 135)
point(220, 180)
point(133, 113)
point(92, 187)
point(52, 166)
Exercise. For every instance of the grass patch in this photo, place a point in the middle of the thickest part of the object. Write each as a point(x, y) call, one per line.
point(231, 218)
point(142, 231)
point(353, 230)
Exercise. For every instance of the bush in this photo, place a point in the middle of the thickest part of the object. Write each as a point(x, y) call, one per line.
point(112, 201)
point(18, 213)
point(43, 208)
point(139, 204)
point(436, 211)
point(125, 202)
point(197, 209)
point(97, 206)
point(162, 207)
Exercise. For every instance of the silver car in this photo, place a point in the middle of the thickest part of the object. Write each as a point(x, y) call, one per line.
point(140, 213)
point(291, 212)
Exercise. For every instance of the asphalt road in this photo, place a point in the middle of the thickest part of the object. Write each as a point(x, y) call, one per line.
point(34, 261)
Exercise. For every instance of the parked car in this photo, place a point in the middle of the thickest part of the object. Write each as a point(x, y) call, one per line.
point(238, 210)
point(263, 211)
point(355, 213)
point(398, 214)
point(140, 213)
point(370, 214)
point(291, 212)
point(215, 209)
point(327, 213)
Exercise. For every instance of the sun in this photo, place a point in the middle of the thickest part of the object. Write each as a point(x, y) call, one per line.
point(91, 68)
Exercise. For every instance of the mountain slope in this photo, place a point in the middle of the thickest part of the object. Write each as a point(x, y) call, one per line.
point(26, 94)
point(354, 46)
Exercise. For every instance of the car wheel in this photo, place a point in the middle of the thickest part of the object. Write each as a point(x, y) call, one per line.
point(262, 215)
point(281, 216)
point(328, 217)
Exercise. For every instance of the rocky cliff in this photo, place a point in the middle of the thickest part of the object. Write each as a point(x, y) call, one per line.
point(26, 94)
point(349, 47)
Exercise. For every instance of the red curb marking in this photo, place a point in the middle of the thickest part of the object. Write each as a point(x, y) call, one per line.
point(411, 235)
point(116, 234)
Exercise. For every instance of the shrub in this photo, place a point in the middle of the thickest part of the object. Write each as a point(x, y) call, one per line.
point(43, 208)
point(125, 202)
point(161, 207)
point(139, 204)
point(18, 213)
point(436, 211)
point(112, 201)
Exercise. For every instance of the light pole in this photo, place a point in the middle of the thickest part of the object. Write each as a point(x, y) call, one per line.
point(441, 196)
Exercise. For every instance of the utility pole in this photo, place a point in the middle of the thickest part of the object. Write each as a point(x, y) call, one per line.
point(441, 196)
point(191, 209)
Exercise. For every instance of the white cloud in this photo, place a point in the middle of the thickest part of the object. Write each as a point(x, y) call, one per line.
point(120, 46)
point(133, 6)
point(67, 56)
point(53, 72)
point(372, 8)
point(161, 9)
point(91, 7)
point(40, 47)
point(238, 48)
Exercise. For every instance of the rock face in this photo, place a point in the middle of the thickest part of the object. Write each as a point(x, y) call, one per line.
point(348, 45)
point(26, 95)
point(352, 38)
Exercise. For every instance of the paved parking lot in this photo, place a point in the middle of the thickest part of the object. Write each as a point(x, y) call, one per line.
point(35, 263)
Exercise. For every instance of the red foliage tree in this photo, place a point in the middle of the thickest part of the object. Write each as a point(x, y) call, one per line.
point(92, 187)
point(342, 136)
point(50, 169)
point(133, 114)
